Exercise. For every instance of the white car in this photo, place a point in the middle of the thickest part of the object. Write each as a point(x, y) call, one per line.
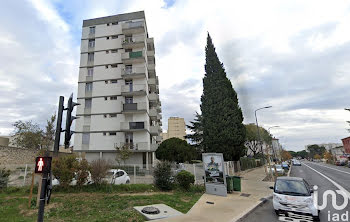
point(56, 182)
point(293, 194)
point(117, 176)
point(279, 169)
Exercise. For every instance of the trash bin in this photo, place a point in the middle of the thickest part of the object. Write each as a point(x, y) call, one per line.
point(229, 183)
point(236, 183)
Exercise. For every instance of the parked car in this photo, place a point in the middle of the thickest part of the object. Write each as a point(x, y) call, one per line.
point(296, 163)
point(340, 163)
point(279, 170)
point(56, 181)
point(285, 166)
point(117, 176)
point(293, 194)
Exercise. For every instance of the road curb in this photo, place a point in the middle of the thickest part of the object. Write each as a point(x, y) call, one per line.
point(251, 209)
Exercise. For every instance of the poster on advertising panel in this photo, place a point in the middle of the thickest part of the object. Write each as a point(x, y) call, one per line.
point(215, 182)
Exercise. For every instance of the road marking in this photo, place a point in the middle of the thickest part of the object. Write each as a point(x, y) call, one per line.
point(331, 168)
point(332, 181)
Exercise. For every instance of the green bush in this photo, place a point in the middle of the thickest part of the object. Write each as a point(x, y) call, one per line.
point(64, 168)
point(4, 177)
point(185, 179)
point(82, 172)
point(163, 176)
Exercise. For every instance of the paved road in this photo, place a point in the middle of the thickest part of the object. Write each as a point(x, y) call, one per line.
point(332, 178)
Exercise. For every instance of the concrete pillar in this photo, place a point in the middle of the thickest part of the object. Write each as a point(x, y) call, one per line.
point(147, 161)
point(100, 155)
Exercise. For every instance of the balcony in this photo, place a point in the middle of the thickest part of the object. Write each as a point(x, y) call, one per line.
point(154, 146)
point(135, 72)
point(153, 84)
point(159, 138)
point(155, 130)
point(132, 126)
point(151, 66)
point(134, 107)
point(154, 115)
point(133, 57)
point(153, 81)
point(134, 42)
point(134, 146)
point(153, 97)
point(133, 27)
point(134, 90)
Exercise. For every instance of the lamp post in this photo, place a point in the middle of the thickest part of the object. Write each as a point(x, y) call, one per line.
point(273, 150)
point(257, 125)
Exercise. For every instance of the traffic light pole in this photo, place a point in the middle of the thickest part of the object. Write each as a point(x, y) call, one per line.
point(42, 197)
point(58, 126)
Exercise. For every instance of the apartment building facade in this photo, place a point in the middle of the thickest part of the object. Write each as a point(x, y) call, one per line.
point(176, 128)
point(118, 90)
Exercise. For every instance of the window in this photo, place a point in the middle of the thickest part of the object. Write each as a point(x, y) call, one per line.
point(112, 133)
point(114, 23)
point(136, 125)
point(114, 81)
point(105, 115)
point(88, 87)
point(114, 36)
point(107, 51)
point(90, 57)
point(120, 173)
point(86, 138)
point(114, 65)
point(128, 100)
point(107, 24)
point(104, 133)
point(128, 50)
point(114, 50)
point(92, 30)
point(128, 69)
point(107, 37)
point(106, 81)
point(91, 43)
point(112, 115)
point(114, 97)
point(88, 103)
point(90, 71)
point(106, 98)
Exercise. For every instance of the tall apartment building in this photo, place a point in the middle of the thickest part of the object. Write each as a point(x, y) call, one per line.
point(176, 128)
point(118, 90)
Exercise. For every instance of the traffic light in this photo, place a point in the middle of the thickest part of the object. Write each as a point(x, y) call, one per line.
point(69, 120)
point(43, 164)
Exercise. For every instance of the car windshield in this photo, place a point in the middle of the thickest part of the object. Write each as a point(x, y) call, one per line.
point(278, 167)
point(291, 187)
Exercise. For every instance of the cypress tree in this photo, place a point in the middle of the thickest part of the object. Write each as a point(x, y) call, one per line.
point(222, 118)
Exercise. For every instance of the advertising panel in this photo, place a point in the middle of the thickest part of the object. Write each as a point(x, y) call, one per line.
point(215, 181)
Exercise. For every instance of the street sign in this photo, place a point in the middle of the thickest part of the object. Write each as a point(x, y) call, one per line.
point(43, 164)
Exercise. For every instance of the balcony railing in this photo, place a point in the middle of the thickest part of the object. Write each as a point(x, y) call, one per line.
point(129, 57)
point(135, 71)
point(135, 89)
point(132, 126)
point(130, 107)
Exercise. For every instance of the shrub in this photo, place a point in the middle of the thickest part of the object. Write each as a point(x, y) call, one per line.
point(82, 172)
point(163, 176)
point(4, 177)
point(98, 169)
point(64, 167)
point(185, 179)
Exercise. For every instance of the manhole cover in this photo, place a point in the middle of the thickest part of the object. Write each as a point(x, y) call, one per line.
point(150, 210)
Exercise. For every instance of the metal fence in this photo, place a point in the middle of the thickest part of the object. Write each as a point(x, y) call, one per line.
point(20, 174)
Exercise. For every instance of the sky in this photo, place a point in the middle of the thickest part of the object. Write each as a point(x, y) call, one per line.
point(292, 55)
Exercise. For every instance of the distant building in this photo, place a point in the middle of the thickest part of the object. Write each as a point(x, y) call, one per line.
point(338, 153)
point(276, 148)
point(176, 128)
point(346, 144)
point(4, 141)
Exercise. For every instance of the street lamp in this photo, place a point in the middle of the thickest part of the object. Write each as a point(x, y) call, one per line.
point(257, 125)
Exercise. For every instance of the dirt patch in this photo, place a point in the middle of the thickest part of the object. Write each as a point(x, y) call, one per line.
point(30, 212)
point(145, 194)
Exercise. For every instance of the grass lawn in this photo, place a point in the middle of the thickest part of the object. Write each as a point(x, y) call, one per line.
point(109, 203)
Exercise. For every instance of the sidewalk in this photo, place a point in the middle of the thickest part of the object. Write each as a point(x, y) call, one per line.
point(232, 207)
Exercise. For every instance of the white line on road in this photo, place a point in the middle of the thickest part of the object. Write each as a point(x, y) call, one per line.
point(331, 168)
point(332, 181)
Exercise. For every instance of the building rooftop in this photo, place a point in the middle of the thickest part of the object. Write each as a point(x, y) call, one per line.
point(114, 18)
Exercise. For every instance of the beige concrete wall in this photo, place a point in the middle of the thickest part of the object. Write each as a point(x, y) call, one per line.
point(4, 141)
point(176, 127)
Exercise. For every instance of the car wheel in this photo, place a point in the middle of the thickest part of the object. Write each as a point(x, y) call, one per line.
point(128, 181)
point(316, 218)
point(277, 212)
